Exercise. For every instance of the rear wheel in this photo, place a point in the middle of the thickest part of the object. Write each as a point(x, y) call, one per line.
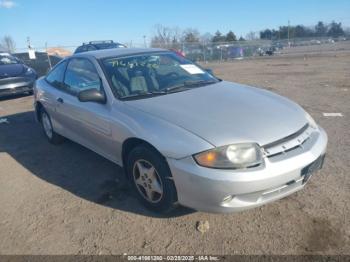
point(151, 179)
point(50, 134)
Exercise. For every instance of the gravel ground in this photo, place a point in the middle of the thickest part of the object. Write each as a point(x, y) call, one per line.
point(68, 200)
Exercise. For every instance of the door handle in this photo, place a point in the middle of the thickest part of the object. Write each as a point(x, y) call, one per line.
point(60, 100)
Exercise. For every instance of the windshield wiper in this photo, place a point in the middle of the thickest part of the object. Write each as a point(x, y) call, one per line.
point(143, 94)
point(188, 84)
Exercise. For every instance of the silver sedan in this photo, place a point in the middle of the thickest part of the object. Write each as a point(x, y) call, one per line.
point(182, 135)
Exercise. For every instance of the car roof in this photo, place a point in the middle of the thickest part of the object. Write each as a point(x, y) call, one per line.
point(97, 42)
point(103, 53)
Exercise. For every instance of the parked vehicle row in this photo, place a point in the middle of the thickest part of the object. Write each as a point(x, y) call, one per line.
point(41, 64)
point(18, 72)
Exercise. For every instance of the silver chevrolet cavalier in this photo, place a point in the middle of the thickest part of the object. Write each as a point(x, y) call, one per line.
point(182, 135)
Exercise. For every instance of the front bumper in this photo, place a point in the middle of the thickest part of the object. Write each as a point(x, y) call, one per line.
point(16, 85)
point(224, 191)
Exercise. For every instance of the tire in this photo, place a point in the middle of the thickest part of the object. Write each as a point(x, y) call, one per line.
point(46, 124)
point(163, 198)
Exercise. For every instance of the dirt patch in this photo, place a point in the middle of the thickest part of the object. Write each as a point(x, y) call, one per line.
point(324, 237)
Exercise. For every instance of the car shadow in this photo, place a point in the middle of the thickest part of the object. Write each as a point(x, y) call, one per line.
point(71, 166)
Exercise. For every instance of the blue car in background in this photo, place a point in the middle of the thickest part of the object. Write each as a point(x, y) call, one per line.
point(15, 76)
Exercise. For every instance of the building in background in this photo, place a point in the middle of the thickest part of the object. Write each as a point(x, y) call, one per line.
point(58, 51)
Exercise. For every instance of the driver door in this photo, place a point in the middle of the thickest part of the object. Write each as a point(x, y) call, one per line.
point(89, 123)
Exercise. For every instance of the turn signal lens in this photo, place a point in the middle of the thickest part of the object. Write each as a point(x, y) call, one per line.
point(207, 158)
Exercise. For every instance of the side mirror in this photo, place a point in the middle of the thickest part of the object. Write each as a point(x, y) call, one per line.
point(92, 95)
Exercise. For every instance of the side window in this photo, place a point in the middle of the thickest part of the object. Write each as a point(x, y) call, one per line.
point(81, 75)
point(55, 77)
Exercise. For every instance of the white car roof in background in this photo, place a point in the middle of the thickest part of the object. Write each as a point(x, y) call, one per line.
point(118, 52)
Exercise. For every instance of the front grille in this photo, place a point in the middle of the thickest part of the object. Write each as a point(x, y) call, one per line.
point(288, 143)
point(11, 80)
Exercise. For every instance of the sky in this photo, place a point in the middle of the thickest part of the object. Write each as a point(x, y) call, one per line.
point(71, 22)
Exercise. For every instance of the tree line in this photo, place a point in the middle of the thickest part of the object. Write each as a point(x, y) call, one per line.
point(173, 36)
point(7, 44)
point(321, 29)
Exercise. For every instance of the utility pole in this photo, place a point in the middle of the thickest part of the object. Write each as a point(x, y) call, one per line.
point(31, 51)
point(221, 54)
point(204, 57)
point(288, 33)
point(144, 41)
point(48, 57)
point(28, 43)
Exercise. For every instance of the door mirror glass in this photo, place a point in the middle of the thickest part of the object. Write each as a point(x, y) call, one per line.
point(92, 95)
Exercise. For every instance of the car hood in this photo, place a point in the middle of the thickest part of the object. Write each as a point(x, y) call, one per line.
point(11, 70)
point(225, 113)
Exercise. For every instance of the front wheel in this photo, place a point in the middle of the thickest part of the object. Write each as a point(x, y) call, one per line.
point(151, 179)
point(50, 134)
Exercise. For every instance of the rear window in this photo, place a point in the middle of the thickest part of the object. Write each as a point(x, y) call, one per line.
point(80, 49)
point(107, 46)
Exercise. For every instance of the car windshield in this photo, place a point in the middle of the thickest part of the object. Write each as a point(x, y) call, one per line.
point(151, 74)
point(8, 59)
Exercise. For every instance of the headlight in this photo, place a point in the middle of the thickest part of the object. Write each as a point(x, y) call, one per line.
point(231, 156)
point(311, 121)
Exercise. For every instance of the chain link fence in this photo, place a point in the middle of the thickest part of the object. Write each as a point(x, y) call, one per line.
point(225, 51)
point(47, 57)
